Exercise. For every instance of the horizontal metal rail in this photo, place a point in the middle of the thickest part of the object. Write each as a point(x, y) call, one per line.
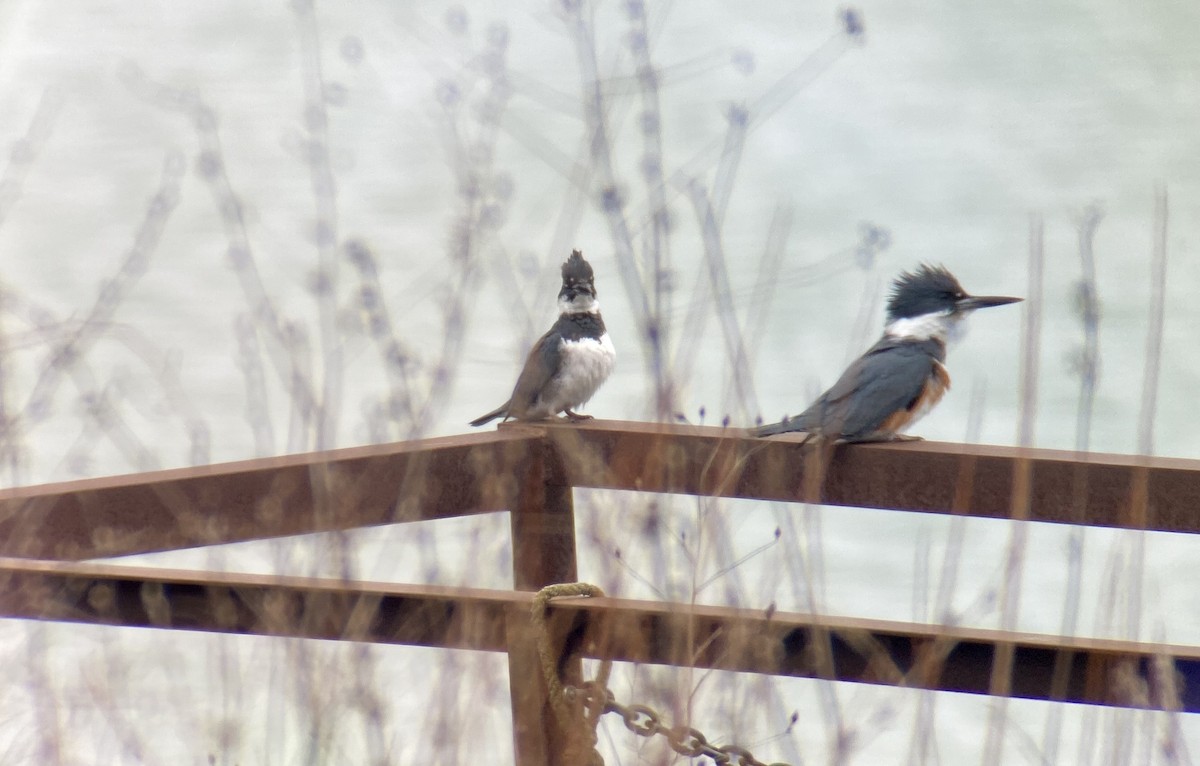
point(269, 497)
point(460, 475)
point(949, 658)
point(1134, 492)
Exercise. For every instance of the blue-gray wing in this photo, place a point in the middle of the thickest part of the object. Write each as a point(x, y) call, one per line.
point(888, 378)
point(540, 367)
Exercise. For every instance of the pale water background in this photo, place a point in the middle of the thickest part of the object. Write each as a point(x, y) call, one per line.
point(937, 136)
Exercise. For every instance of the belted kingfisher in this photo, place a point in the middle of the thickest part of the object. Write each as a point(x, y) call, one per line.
point(902, 376)
point(569, 362)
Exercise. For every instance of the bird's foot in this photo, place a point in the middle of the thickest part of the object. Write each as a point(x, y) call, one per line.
point(575, 417)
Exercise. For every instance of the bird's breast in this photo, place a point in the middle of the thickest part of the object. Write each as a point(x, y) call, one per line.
point(586, 363)
point(936, 386)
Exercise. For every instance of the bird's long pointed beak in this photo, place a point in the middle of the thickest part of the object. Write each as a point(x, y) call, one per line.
point(973, 302)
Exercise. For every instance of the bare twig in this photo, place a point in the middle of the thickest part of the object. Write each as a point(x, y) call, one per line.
point(1001, 681)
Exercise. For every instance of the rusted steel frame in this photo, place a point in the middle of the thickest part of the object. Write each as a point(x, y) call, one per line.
point(271, 497)
point(542, 523)
point(1065, 487)
point(872, 651)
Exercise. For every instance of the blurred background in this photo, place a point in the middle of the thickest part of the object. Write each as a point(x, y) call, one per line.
point(233, 230)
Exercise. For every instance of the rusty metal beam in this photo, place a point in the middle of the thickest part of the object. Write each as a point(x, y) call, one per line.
point(453, 476)
point(271, 497)
point(1127, 491)
point(300, 607)
point(871, 651)
point(542, 523)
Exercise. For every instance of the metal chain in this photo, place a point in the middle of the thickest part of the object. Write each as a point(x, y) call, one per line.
point(645, 722)
point(586, 703)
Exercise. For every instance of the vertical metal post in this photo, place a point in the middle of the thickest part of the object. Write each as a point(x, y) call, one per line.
point(543, 541)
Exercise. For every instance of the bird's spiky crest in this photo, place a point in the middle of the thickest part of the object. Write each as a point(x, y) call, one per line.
point(576, 270)
point(927, 290)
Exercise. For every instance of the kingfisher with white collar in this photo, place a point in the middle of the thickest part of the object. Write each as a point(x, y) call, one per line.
point(568, 363)
point(902, 376)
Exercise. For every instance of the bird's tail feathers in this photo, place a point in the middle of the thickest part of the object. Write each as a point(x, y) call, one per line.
point(782, 427)
point(500, 411)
